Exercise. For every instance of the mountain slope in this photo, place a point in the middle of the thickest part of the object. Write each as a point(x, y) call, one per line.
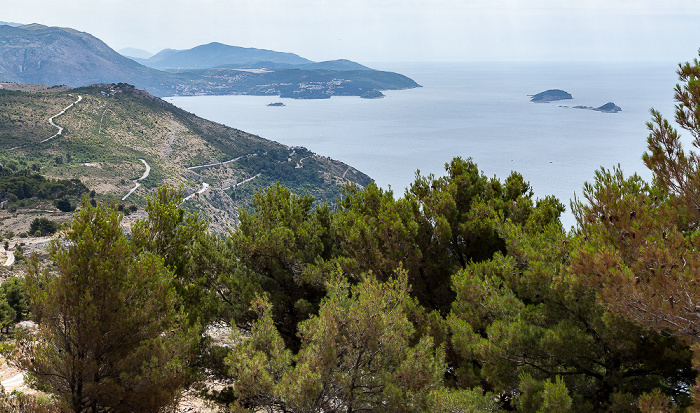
point(108, 130)
point(39, 54)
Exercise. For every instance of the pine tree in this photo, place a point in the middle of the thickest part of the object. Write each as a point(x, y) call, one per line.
point(109, 336)
point(359, 354)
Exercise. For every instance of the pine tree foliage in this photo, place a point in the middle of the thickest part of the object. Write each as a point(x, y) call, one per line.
point(356, 355)
point(109, 336)
point(16, 295)
point(463, 295)
point(460, 214)
point(283, 248)
point(640, 241)
point(523, 323)
point(176, 237)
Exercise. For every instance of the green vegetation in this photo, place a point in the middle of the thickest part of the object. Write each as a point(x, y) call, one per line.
point(463, 295)
point(43, 226)
point(110, 335)
point(25, 183)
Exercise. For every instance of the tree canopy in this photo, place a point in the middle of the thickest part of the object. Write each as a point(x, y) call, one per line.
point(465, 294)
point(109, 335)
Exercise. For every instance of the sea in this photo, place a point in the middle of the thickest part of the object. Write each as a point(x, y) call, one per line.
point(473, 110)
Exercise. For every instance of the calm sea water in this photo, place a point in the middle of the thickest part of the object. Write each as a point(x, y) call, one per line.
point(475, 110)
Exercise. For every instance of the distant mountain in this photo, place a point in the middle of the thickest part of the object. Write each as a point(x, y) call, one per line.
point(35, 53)
point(341, 64)
point(10, 24)
point(53, 56)
point(163, 54)
point(131, 53)
point(217, 54)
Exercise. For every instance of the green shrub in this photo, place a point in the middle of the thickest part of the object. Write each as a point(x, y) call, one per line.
point(43, 226)
point(64, 205)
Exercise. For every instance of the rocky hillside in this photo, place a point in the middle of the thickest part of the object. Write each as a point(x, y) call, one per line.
point(113, 137)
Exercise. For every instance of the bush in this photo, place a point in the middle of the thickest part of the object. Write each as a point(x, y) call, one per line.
point(43, 226)
point(64, 205)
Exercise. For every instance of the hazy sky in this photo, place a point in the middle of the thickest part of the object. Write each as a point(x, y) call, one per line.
point(389, 30)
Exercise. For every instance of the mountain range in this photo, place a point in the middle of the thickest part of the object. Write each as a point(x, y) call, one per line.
point(35, 53)
point(218, 55)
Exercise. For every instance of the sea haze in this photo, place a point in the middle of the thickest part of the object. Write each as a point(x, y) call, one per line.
point(476, 110)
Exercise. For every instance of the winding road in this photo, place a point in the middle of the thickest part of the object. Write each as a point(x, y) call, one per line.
point(10, 257)
point(192, 168)
point(205, 186)
point(60, 128)
point(242, 182)
point(144, 176)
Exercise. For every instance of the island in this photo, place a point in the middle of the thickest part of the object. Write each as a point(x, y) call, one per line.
point(606, 108)
point(550, 96)
point(276, 104)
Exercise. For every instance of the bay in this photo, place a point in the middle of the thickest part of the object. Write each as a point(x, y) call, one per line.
point(477, 110)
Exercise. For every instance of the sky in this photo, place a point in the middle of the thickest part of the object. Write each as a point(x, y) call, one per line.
point(389, 30)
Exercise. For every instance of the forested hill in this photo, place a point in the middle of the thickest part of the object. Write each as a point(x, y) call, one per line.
point(112, 134)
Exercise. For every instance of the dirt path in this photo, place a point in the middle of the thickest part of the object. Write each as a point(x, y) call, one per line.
point(144, 176)
point(10, 257)
point(99, 132)
point(192, 168)
point(242, 182)
point(60, 128)
point(205, 186)
point(13, 382)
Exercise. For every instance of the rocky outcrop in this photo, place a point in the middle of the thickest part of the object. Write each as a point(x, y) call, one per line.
point(606, 108)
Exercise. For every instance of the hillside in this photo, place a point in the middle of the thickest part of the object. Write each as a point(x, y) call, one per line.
point(61, 56)
point(113, 134)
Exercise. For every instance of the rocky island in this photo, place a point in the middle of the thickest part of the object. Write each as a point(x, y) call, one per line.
point(550, 96)
point(606, 108)
point(276, 104)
